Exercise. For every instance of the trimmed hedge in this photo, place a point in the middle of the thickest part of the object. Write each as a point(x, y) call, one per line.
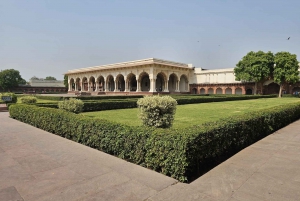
point(111, 104)
point(179, 153)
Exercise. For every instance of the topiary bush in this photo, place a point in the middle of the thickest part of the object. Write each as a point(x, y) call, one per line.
point(28, 99)
point(157, 111)
point(72, 105)
point(13, 96)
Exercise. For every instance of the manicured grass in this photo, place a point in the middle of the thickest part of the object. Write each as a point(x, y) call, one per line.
point(196, 113)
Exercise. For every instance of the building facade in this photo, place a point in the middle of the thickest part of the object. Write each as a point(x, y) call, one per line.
point(150, 76)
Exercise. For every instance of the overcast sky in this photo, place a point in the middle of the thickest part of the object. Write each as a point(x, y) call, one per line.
point(47, 38)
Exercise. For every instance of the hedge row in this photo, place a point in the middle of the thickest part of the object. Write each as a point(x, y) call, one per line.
point(179, 153)
point(59, 98)
point(111, 104)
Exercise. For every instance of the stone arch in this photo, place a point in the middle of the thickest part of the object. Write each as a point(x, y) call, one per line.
point(173, 82)
point(238, 91)
point(101, 83)
point(202, 91)
point(72, 84)
point(84, 84)
point(228, 91)
point(194, 91)
point(110, 83)
point(92, 83)
point(131, 81)
point(77, 84)
point(144, 81)
point(249, 91)
point(160, 83)
point(120, 81)
point(210, 91)
point(183, 83)
point(272, 88)
point(296, 90)
point(219, 91)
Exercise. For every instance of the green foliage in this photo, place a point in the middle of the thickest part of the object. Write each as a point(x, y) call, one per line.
point(66, 81)
point(72, 105)
point(179, 153)
point(28, 99)
point(286, 69)
point(157, 111)
point(13, 96)
point(50, 78)
point(255, 67)
point(10, 78)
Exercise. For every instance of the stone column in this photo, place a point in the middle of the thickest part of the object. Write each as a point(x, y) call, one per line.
point(88, 86)
point(177, 86)
point(126, 84)
point(138, 86)
point(82, 88)
point(105, 86)
point(152, 85)
point(97, 86)
point(166, 86)
point(69, 86)
point(116, 86)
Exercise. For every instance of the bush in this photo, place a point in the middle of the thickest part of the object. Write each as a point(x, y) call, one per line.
point(72, 105)
point(28, 99)
point(157, 111)
point(179, 153)
point(13, 96)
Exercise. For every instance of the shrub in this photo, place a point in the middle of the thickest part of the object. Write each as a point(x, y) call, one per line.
point(157, 111)
point(28, 99)
point(12, 95)
point(72, 105)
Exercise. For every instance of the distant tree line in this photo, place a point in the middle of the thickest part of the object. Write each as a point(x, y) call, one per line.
point(260, 66)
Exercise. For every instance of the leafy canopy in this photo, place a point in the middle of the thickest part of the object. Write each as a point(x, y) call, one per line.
point(255, 66)
point(286, 68)
point(10, 78)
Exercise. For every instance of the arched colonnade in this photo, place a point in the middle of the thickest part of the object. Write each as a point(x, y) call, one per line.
point(130, 82)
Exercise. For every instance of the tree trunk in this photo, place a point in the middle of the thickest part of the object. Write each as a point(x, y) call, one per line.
point(255, 89)
point(280, 91)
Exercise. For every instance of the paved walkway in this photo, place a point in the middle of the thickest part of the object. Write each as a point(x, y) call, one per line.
point(37, 165)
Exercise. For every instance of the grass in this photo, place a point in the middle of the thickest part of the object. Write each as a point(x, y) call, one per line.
point(192, 114)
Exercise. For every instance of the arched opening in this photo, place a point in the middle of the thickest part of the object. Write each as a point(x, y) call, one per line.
point(160, 82)
point(85, 84)
point(238, 91)
point(101, 83)
point(249, 92)
point(131, 81)
point(92, 83)
point(194, 91)
point(202, 91)
point(78, 84)
point(272, 88)
point(120, 83)
point(72, 84)
point(172, 84)
point(210, 91)
point(296, 91)
point(144, 81)
point(110, 83)
point(183, 83)
point(219, 91)
point(228, 91)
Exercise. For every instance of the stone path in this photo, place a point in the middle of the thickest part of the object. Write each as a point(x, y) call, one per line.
point(37, 165)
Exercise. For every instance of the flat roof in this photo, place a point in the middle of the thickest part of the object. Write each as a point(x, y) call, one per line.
point(130, 64)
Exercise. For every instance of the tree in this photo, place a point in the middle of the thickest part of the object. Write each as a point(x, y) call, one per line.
point(285, 69)
point(66, 81)
point(255, 67)
point(50, 78)
point(10, 78)
point(35, 78)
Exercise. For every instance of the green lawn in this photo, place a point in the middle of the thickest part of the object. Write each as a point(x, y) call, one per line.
point(196, 113)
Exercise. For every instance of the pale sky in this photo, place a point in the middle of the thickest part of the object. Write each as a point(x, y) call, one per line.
point(49, 37)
